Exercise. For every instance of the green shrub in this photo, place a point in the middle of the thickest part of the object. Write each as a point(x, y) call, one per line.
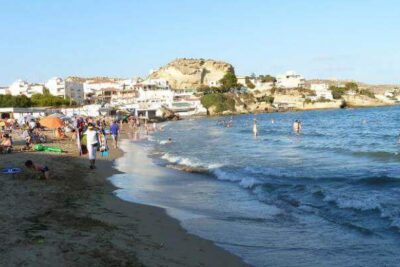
point(367, 93)
point(221, 102)
point(20, 101)
point(266, 98)
point(249, 84)
point(337, 92)
point(228, 82)
point(267, 78)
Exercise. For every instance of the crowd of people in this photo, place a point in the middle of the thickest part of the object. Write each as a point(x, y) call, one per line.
point(297, 125)
point(89, 133)
point(30, 131)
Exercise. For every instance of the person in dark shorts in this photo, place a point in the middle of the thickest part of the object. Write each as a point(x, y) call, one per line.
point(39, 168)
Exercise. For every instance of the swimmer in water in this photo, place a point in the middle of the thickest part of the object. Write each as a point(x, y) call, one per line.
point(255, 131)
point(297, 126)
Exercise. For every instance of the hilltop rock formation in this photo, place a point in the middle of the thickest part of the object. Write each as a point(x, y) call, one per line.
point(192, 73)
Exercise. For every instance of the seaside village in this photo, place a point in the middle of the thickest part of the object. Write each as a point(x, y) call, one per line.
point(184, 87)
point(58, 140)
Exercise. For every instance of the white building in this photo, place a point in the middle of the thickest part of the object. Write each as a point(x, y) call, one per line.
point(92, 86)
point(19, 87)
point(321, 91)
point(4, 91)
point(74, 90)
point(67, 89)
point(35, 89)
point(156, 91)
point(258, 84)
point(56, 86)
point(290, 80)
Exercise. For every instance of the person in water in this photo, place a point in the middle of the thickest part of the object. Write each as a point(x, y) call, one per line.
point(39, 168)
point(297, 126)
point(255, 130)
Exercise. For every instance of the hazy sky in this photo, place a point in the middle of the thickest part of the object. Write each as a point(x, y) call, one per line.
point(357, 39)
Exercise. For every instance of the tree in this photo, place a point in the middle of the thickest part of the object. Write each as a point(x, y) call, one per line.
point(267, 78)
point(221, 102)
point(228, 82)
point(14, 101)
point(249, 84)
point(46, 100)
point(351, 86)
point(337, 92)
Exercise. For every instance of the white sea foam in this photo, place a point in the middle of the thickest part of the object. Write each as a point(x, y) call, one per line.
point(225, 176)
point(190, 162)
point(164, 142)
point(359, 203)
point(249, 182)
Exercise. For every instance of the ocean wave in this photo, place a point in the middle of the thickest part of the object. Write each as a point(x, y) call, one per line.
point(186, 168)
point(349, 202)
point(378, 155)
point(377, 180)
point(190, 162)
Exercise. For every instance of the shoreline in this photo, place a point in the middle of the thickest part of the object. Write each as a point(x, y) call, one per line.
point(288, 111)
point(75, 219)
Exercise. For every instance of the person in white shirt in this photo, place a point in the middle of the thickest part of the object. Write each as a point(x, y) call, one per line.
point(92, 139)
point(32, 124)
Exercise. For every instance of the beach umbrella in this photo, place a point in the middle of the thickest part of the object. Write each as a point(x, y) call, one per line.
point(52, 122)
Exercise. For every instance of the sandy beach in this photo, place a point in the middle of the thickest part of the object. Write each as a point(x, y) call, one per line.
point(74, 219)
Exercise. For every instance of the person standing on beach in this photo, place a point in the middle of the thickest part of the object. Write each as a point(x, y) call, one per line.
point(92, 140)
point(114, 129)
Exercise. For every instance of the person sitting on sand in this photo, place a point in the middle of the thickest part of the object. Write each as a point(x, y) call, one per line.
point(6, 144)
point(27, 135)
point(39, 168)
point(60, 134)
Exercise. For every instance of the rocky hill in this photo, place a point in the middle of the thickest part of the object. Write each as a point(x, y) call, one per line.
point(192, 73)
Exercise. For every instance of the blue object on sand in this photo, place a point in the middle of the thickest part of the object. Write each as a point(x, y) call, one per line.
point(11, 170)
point(105, 153)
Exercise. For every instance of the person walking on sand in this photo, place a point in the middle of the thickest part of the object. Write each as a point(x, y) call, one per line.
point(255, 130)
point(39, 168)
point(92, 140)
point(114, 129)
point(297, 126)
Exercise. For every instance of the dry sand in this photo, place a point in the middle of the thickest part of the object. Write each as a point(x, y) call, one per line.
point(75, 220)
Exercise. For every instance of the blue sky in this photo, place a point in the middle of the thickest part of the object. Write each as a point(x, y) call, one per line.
point(358, 39)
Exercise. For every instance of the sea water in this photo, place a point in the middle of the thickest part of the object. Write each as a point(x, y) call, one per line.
point(329, 196)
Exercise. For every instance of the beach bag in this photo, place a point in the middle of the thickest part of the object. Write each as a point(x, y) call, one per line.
point(105, 153)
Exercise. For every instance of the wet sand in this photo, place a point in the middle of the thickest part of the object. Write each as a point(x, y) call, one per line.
point(74, 219)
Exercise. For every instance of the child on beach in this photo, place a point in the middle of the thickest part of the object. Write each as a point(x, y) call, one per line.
point(39, 168)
